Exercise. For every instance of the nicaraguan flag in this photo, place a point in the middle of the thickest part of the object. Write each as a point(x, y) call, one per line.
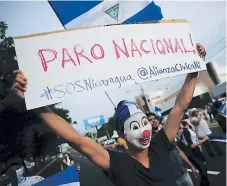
point(68, 177)
point(158, 112)
point(73, 14)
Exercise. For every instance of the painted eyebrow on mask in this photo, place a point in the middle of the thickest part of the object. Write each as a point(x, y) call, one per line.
point(144, 117)
point(132, 123)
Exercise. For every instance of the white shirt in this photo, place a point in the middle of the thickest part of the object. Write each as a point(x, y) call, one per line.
point(202, 129)
point(68, 160)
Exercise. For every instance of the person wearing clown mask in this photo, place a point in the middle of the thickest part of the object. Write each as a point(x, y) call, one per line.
point(132, 125)
point(146, 162)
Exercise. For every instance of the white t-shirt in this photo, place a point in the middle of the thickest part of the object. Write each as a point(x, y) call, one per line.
point(202, 129)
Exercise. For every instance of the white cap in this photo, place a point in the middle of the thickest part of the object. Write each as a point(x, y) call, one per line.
point(115, 135)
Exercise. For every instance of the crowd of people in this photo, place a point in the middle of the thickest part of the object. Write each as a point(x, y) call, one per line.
point(151, 151)
point(193, 132)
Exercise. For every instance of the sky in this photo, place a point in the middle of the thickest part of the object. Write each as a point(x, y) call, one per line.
point(207, 20)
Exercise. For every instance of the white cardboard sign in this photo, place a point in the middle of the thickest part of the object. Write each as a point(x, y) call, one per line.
point(76, 62)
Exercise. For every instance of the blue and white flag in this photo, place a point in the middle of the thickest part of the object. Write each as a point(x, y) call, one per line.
point(74, 14)
point(157, 111)
point(68, 177)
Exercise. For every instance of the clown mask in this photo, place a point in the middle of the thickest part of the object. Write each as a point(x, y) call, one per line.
point(137, 130)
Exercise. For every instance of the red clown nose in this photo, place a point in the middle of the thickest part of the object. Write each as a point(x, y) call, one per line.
point(146, 133)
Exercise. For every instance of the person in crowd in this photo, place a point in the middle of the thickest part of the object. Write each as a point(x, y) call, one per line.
point(187, 118)
point(67, 161)
point(209, 111)
point(120, 144)
point(180, 132)
point(152, 118)
point(193, 152)
point(199, 120)
point(147, 161)
point(176, 155)
point(78, 167)
point(216, 104)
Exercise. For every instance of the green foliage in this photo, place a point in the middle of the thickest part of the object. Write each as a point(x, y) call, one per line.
point(18, 124)
point(107, 128)
point(63, 113)
point(8, 61)
point(90, 135)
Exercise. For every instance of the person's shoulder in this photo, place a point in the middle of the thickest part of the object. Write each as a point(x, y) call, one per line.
point(119, 164)
point(161, 133)
point(160, 140)
point(115, 154)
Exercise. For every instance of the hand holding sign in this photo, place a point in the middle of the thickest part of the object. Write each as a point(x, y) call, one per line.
point(20, 83)
point(201, 50)
point(85, 63)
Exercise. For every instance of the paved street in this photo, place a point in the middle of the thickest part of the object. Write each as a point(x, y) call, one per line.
point(91, 175)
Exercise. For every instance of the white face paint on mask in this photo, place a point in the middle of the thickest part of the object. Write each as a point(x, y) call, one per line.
point(137, 130)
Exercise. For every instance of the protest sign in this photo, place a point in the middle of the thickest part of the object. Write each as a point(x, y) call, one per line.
point(79, 61)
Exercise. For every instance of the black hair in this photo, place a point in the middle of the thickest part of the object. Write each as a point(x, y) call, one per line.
point(185, 116)
point(151, 114)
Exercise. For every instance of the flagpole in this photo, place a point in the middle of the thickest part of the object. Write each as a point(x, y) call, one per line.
point(110, 100)
point(56, 14)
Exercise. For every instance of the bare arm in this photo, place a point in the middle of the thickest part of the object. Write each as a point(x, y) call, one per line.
point(72, 162)
point(184, 157)
point(65, 162)
point(96, 153)
point(199, 142)
point(183, 100)
point(205, 116)
point(186, 160)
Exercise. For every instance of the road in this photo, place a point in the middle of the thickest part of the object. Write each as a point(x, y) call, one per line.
point(91, 175)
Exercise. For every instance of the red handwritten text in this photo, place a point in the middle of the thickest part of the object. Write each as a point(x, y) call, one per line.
point(157, 47)
point(122, 48)
point(74, 58)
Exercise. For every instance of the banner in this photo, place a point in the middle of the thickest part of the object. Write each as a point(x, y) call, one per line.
point(93, 122)
point(67, 177)
point(80, 61)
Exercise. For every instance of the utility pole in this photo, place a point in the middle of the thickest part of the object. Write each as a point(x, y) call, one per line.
point(111, 101)
point(147, 110)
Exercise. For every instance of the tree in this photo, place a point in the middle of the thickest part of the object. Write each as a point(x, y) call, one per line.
point(90, 135)
point(107, 128)
point(8, 62)
point(17, 124)
point(62, 112)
